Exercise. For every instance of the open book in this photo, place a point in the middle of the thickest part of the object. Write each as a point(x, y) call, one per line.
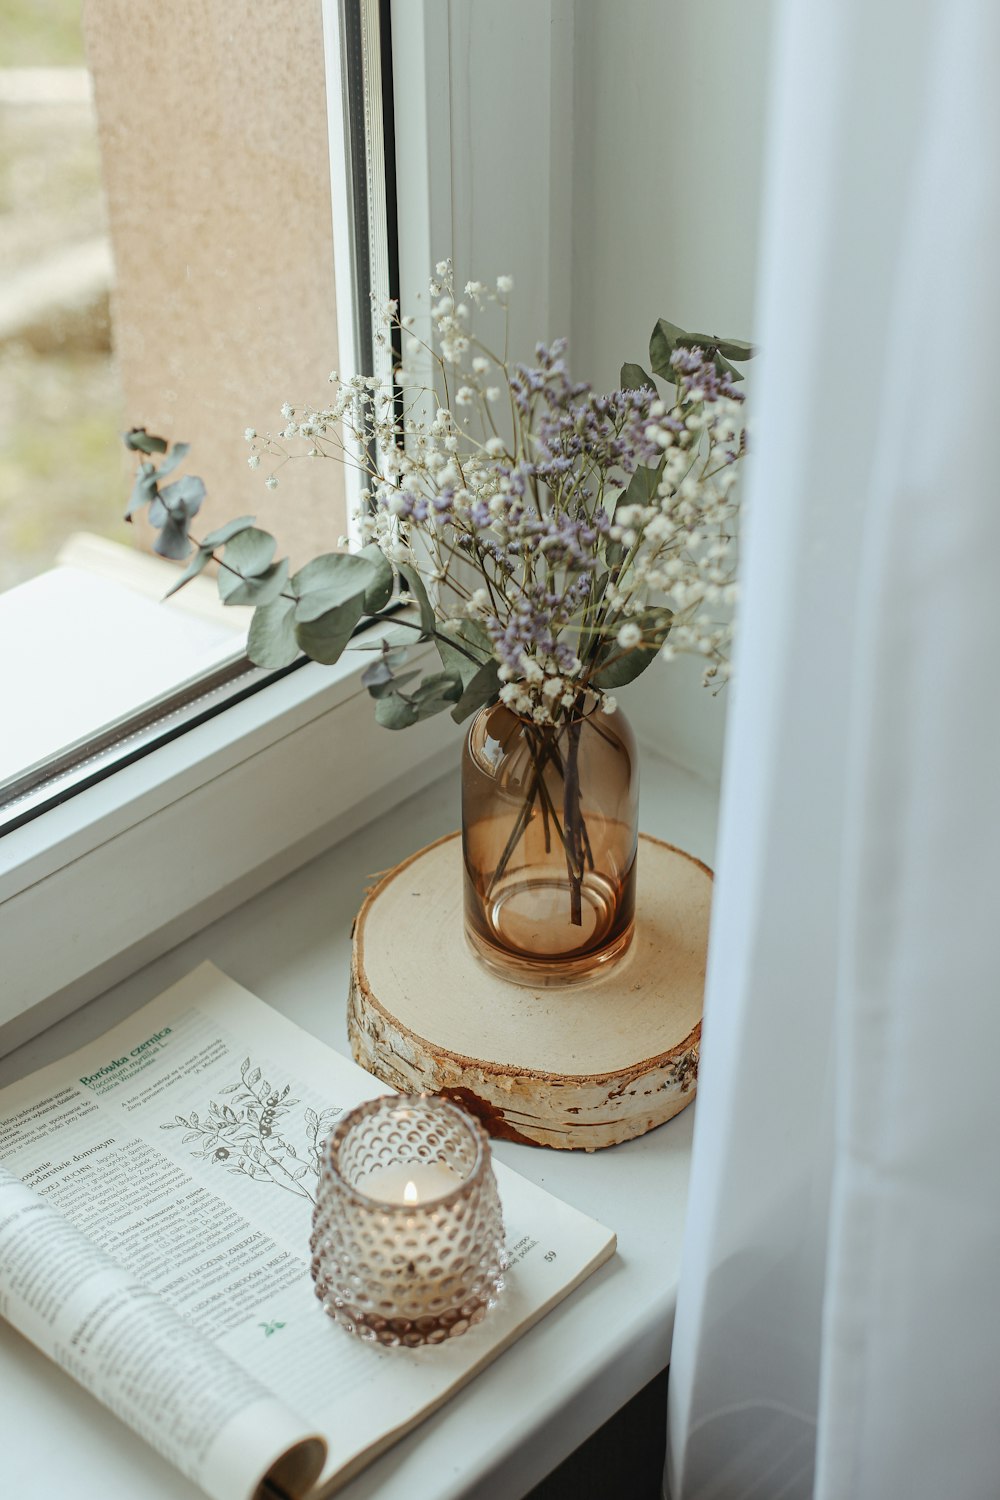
point(158, 1250)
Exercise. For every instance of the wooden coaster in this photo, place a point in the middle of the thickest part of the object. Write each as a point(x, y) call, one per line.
point(576, 1068)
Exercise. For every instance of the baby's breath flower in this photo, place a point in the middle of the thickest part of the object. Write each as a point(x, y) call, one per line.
point(271, 482)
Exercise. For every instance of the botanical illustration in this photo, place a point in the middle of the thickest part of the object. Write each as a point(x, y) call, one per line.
point(252, 1133)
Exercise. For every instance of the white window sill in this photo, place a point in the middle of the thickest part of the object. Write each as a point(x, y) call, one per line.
point(521, 1417)
point(101, 884)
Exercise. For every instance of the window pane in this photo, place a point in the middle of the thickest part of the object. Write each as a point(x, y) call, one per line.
point(165, 208)
point(213, 133)
point(60, 403)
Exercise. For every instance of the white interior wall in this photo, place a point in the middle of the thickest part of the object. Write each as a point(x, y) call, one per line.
point(668, 128)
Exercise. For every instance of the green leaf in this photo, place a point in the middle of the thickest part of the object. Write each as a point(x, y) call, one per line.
point(725, 368)
point(172, 541)
point(250, 553)
point(200, 561)
point(482, 688)
point(625, 666)
point(143, 490)
point(475, 636)
point(176, 456)
point(415, 584)
point(182, 498)
point(428, 707)
point(141, 441)
point(634, 378)
point(328, 581)
point(394, 712)
point(325, 637)
point(666, 337)
point(662, 343)
point(390, 684)
point(262, 588)
point(439, 685)
point(642, 487)
point(379, 591)
point(456, 662)
point(223, 534)
point(731, 348)
point(271, 641)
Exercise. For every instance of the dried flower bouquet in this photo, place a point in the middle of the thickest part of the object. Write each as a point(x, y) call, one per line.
point(553, 540)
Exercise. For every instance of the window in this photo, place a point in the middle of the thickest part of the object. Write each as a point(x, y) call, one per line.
point(203, 806)
point(212, 272)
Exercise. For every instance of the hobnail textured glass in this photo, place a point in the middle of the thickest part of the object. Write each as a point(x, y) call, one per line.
point(407, 1274)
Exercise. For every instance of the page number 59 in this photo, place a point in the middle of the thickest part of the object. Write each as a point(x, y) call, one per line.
point(550, 1255)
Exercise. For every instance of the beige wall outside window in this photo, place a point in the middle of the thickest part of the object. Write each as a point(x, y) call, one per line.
point(212, 123)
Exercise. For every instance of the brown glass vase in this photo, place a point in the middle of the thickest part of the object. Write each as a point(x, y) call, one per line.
point(549, 837)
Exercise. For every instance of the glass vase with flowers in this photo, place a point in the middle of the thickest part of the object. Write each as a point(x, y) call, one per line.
point(551, 541)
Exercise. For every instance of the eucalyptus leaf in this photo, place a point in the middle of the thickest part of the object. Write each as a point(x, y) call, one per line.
point(249, 553)
point(184, 496)
point(625, 666)
point(456, 662)
point(172, 541)
point(482, 688)
point(662, 343)
point(176, 456)
point(394, 712)
point(642, 487)
point(337, 576)
point(439, 685)
point(377, 674)
point(223, 534)
point(271, 640)
point(141, 441)
point(428, 707)
point(262, 588)
point(731, 348)
point(379, 591)
point(668, 337)
point(328, 581)
point(198, 563)
point(634, 378)
point(475, 635)
point(143, 490)
point(390, 684)
point(415, 584)
point(324, 639)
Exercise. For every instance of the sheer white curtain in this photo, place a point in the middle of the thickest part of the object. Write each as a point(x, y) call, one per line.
point(838, 1327)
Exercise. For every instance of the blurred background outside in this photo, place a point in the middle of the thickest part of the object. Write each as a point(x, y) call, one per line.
point(61, 467)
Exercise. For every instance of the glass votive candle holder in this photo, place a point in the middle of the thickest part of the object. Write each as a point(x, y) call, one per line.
point(408, 1239)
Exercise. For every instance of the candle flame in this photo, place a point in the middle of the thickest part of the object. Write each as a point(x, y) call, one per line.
point(410, 1194)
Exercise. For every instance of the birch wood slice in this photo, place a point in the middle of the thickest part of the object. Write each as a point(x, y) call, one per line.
point(577, 1068)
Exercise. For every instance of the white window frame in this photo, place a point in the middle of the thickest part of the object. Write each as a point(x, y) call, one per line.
point(94, 888)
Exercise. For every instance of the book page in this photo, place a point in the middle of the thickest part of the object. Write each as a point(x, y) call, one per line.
point(207, 1415)
point(186, 1145)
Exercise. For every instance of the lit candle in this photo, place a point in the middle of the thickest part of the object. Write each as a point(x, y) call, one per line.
point(407, 1238)
point(411, 1182)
